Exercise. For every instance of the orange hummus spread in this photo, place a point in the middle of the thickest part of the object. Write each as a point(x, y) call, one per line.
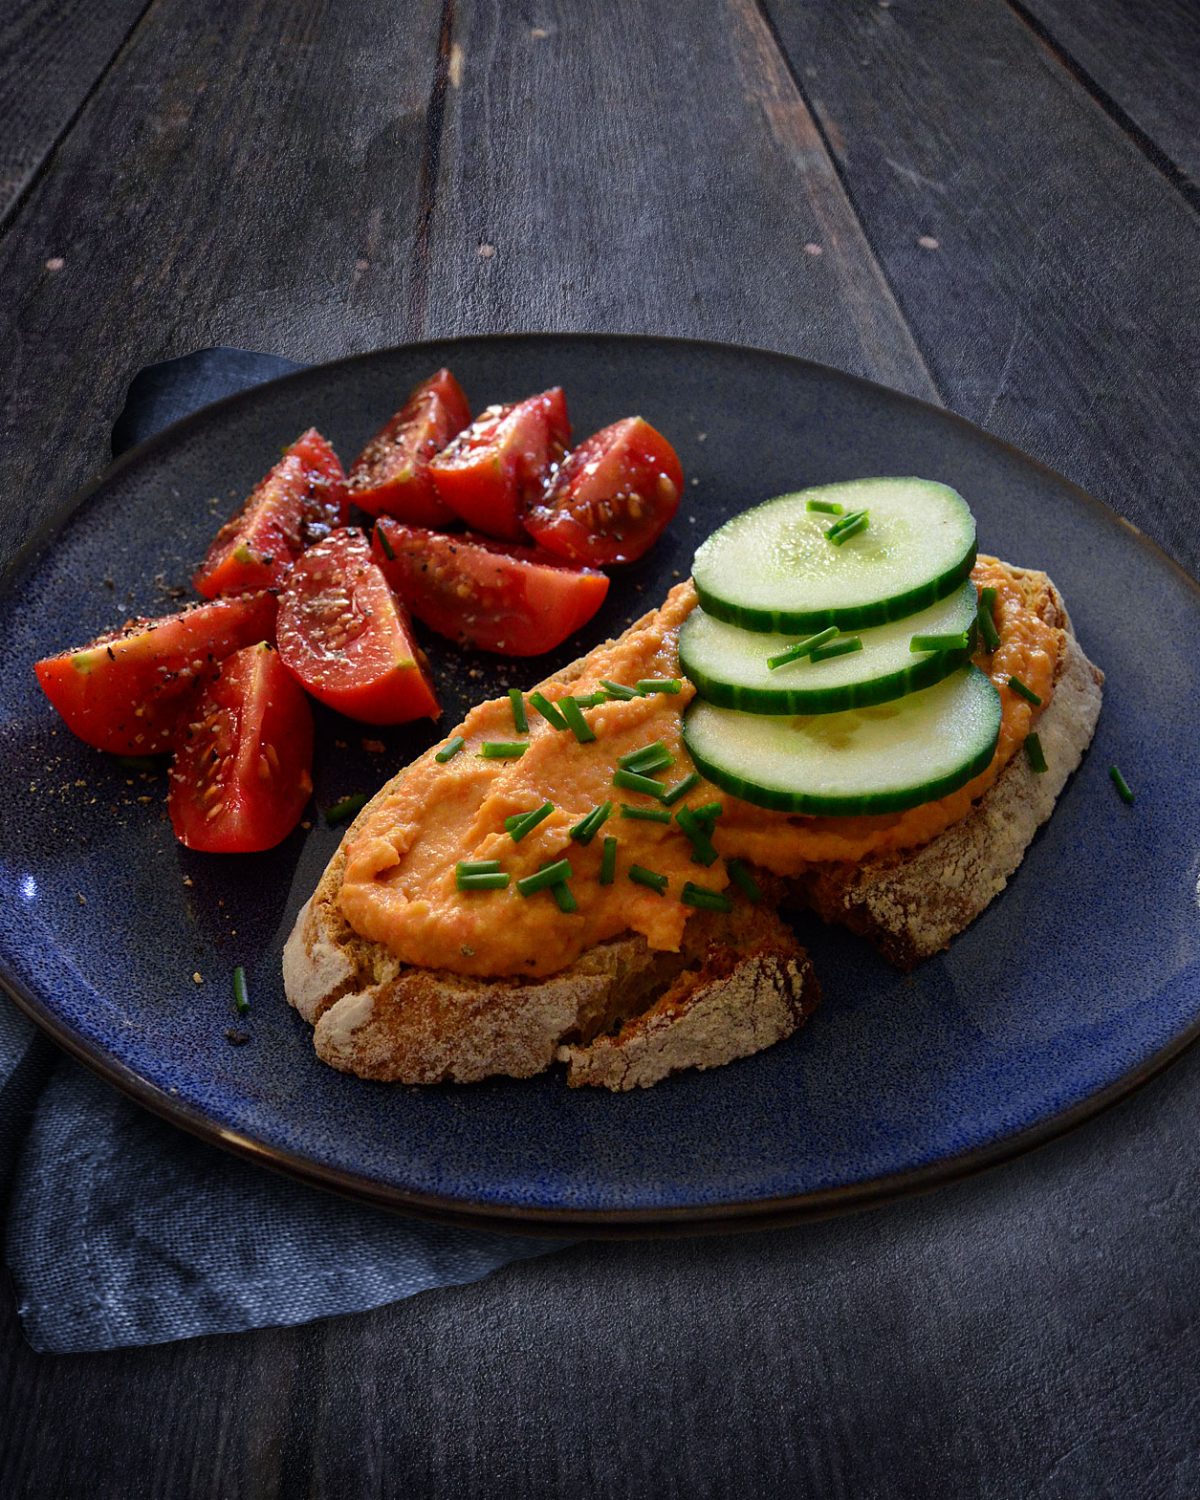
point(399, 886)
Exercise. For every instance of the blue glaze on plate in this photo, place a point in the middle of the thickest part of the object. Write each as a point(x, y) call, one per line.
point(1076, 983)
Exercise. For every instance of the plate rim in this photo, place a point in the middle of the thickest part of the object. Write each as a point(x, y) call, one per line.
point(722, 1218)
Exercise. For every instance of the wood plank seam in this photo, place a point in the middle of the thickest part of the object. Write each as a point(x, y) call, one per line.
point(427, 176)
point(1188, 190)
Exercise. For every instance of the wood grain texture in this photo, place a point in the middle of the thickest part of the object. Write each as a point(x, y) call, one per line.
point(52, 53)
point(1059, 307)
point(1143, 63)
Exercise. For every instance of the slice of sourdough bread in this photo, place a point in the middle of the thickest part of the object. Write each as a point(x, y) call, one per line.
point(624, 1015)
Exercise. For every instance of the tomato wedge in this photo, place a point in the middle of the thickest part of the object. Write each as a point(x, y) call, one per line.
point(300, 501)
point(243, 763)
point(125, 692)
point(612, 498)
point(391, 475)
point(514, 600)
point(344, 634)
point(501, 463)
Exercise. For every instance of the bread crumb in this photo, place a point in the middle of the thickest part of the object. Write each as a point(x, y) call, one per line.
point(374, 747)
point(927, 242)
point(197, 977)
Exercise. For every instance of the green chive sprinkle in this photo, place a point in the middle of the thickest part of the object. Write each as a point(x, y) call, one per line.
point(987, 598)
point(576, 723)
point(703, 852)
point(241, 999)
point(346, 808)
point(562, 894)
point(841, 531)
point(490, 880)
point(708, 811)
point(588, 827)
point(826, 507)
point(547, 710)
point(1121, 785)
point(838, 648)
point(646, 814)
point(615, 690)
point(987, 625)
point(632, 782)
point(703, 899)
point(641, 876)
point(520, 721)
point(659, 685)
point(384, 543)
point(955, 642)
point(802, 648)
point(1034, 753)
point(742, 878)
point(608, 861)
point(450, 749)
point(548, 875)
point(477, 867)
point(593, 700)
point(681, 788)
point(525, 823)
point(502, 749)
point(655, 757)
point(1027, 693)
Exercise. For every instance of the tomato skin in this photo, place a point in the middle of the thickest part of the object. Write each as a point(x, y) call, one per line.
point(346, 637)
point(243, 764)
point(612, 498)
point(513, 600)
point(125, 692)
point(296, 503)
point(494, 469)
point(391, 475)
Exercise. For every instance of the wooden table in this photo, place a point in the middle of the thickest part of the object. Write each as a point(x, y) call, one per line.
point(990, 205)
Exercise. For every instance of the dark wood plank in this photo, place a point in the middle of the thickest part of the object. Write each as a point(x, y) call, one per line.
point(1142, 62)
point(52, 52)
point(1058, 307)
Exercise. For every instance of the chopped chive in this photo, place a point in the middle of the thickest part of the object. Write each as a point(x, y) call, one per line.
point(489, 880)
point(525, 823)
point(548, 875)
point(681, 788)
point(1034, 753)
point(707, 811)
point(615, 690)
point(987, 597)
point(547, 710)
point(517, 701)
point(851, 526)
point(477, 867)
point(641, 876)
point(588, 827)
point(955, 642)
point(703, 899)
point(502, 749)
point(592, 700)
point(1025, 692)
point(632, 782)
point(742, 878)
point(660, 685)
point(450, 749)
point(608, 861)
point(1121, 785)
point(576, 723)
point(986, 618)
point(562, 894)
point(655, 757)
point(346, 808)
point(703, 852)
point(646, 814)
point(384, 543)
point(802, 648)
point(826, 507)
point(241, 998)
point(838, 648)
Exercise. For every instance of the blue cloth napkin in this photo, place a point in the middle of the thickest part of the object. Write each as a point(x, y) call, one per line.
point(123, 1230)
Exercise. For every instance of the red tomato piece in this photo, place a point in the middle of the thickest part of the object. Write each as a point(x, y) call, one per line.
point(300, 501)
point(514, 600)
point(612, 498)
point(345, 635)
point(391, 475)
point(125, 692)
point(500, 464)
point(243, 764)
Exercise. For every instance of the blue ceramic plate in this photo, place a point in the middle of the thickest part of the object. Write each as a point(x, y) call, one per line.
point(1075, 985)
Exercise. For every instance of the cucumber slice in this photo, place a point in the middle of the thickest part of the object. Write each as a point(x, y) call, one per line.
point(772, 568)
point(867, 760)
point(729, 665)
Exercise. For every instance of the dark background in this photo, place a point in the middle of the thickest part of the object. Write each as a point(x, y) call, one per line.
point(990, 205)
